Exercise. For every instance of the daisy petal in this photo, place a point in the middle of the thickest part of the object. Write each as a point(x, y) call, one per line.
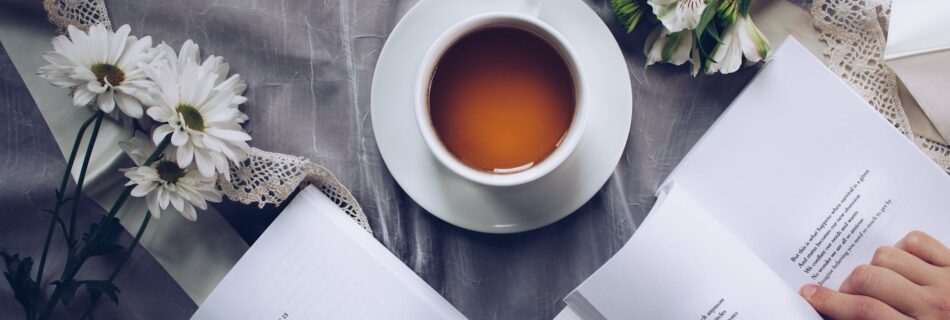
point(189, 213)
point(203, 160)
point(177, 202)
point(95, 87)
point(179, 138)
point(106, 101)
point(159, 133)
point(152, 200)
point(117, 43)
point(160, 114)
point(233, 135)
point(143, 189)
point(184, 155)
point(129, 105)
point(82, 97)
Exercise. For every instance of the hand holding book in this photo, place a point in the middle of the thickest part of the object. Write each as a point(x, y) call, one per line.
point(772, 199)
point(911, 279)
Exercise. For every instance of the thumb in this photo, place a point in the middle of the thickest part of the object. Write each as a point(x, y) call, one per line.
point(842, 306)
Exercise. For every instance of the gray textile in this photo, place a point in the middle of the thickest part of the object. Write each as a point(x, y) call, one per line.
point(309, 66)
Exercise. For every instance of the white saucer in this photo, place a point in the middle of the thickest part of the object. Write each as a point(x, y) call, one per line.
point(493, 209)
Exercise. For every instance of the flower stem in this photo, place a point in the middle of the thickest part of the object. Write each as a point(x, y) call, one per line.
point(120, 201)
point(72, 268)
point(125, 258)
point(82, 177)
point(55, 213)
point(158, 150)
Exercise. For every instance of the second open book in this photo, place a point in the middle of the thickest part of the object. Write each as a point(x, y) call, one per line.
point(798, 182)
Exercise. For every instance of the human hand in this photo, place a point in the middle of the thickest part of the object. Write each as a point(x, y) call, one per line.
point(908, 281)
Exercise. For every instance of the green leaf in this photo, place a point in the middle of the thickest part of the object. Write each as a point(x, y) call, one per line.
point(714, 34)
point(707, 33)
point(744, 6)
point(87, 237)
point(93, 287)
point(672, 44)
point(68, 289)
point(19, 277)
point(98, 287)
point(629, 12)
point(708, 39)
point(727, 12)
point(106, 241)
point(104, 249)
point(708, 14)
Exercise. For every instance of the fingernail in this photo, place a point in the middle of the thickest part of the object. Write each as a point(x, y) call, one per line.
point(808, 290)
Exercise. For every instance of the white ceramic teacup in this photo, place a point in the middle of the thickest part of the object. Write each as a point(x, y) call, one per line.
point(525, 20)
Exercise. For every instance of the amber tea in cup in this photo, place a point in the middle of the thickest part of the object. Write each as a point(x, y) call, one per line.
point(501, 99)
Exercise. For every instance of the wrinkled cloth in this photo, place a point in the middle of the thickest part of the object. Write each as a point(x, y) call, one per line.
point(309, 67)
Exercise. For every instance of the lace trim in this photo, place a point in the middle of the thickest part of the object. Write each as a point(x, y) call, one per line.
point(80, 13)
point(855, 31)
point(265, 177)
point(268, 178)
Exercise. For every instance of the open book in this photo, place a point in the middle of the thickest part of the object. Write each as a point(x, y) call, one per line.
point(799, 181)
point(314, 262)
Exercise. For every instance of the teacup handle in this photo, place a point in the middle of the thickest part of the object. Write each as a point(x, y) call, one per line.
point(532, 7)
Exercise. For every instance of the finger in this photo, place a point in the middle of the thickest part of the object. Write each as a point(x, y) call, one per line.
point(926, 248)
point(907, 265)
point(843, 306)
point(886, 286)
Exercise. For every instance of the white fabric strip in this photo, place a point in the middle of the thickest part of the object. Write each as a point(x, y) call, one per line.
point(917, 27)
point(926, 77)
point(855, 31)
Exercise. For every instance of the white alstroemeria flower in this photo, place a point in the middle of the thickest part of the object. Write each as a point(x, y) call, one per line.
point(678, 15)
point(664, 46)
point(163, 183)
point(755, 46)
point(740, 39)
point(102, 65)
point(199, 109)
point(695, 61)
point(727, 57)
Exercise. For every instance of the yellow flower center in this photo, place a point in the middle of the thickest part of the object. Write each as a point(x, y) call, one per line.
point(110, 72)
point(169, 171)
point(191, 116)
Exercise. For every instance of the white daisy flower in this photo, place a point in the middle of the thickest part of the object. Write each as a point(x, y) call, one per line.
point(198, 107)
point(740, 39)
point(102, 65)
point(163, 183)
point(678, 15)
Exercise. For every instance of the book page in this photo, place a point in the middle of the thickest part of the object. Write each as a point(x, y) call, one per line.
point(809, 177)
point(683, 264)
point(314, 262)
